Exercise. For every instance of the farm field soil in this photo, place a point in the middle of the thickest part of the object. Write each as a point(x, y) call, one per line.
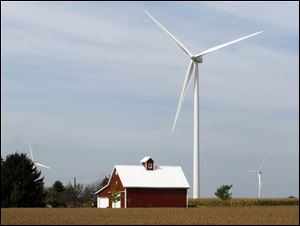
point(202, 215)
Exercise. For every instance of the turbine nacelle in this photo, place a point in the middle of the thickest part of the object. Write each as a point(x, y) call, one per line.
point(197, 59)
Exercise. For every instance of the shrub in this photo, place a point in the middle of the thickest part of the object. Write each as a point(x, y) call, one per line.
point(223, 192)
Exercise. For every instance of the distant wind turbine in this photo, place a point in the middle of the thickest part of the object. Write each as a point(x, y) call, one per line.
point(36, 163)
point(193, 66)
point(259, 172)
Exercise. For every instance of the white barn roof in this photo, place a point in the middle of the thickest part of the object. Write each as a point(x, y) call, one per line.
point(160, 177)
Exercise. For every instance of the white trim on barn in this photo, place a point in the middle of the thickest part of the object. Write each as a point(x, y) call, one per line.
point(111, 176)
point(125, 198)
point(187, 200)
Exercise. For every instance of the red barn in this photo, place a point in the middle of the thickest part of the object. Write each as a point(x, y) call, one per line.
point(145, 185)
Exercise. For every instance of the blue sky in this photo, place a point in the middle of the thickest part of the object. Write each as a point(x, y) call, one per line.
point(94, 84)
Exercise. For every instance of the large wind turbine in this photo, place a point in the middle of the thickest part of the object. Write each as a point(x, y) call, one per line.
point(259, 172)
point(36, 163)
point(193, 66)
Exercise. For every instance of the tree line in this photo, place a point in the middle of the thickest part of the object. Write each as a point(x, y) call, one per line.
point(23, 186)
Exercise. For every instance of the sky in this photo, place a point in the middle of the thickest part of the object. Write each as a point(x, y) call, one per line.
point(91, 85)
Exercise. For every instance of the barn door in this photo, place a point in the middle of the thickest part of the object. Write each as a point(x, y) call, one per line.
point(102, 202)
point(116, 204)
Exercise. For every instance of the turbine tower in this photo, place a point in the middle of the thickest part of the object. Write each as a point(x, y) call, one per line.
point(36, 163)
point(193, 67)
point(259, 172)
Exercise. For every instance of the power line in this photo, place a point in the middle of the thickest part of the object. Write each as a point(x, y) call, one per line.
point(99, 175)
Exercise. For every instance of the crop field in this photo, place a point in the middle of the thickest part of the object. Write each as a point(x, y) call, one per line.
point(288, 215)
point(245, 202)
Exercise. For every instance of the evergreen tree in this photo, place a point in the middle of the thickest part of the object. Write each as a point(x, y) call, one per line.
point(55, 194)
point(58, 186)
point(103, 183)
point(3, 188)
point(21, 185)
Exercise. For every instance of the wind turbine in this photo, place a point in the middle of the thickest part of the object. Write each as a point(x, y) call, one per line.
point(193, 66)
point(36, 163)
point(259, 172)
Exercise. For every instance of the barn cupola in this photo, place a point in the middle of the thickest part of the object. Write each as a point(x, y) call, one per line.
point(148, 163)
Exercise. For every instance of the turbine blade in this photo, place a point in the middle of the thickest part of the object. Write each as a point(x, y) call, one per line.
point(184, 91)
point(262, 165)
point(178, 43)
point(252, 171)
point(39, 164)
point(226, 44)
point(31, 152)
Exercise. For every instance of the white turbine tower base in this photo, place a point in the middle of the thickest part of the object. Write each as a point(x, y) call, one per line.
point(195, 60)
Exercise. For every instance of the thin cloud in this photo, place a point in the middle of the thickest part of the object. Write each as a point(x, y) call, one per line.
point(83, 79)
